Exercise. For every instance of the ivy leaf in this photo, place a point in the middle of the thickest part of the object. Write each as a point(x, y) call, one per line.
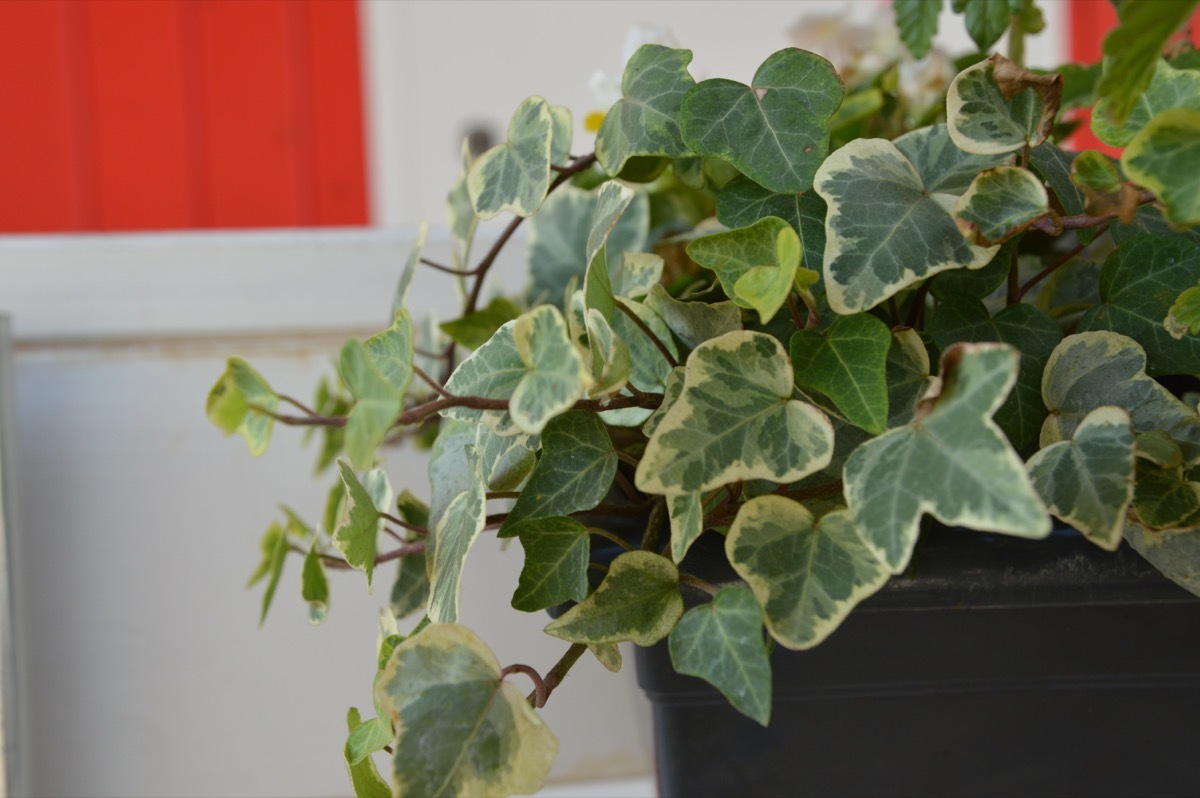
point(367, 737)
point(1164, 498)
point(645, 122)
point(908, 375)
point(377, 373)
point(952, 461)
point(560, 135)
point(987, 20)
point(612, 200)
point(648, 367)
point(473, 330)
point(410, 590)
point(234, 405)
point(1184, 315)
point(1176, 553)
point(1169, 88)
point(672, 390)
point(686, 514)
point(611, 363)
point(573, 473)
point(314, 585)
point(1055, 167)
point(363, 776)
point(774, 131)
point(1029, 330)
point(722, 643)
point(693, 323)
point(1092, 369)
point(638, 601)
point(274, 547)
point(807, 576)
point(1139, 283)
point(1103, 189)
point(847, 363)
point(400, 296)
point(1164, 158)
point(514, 176)
point(1132, 50)
point(1001, 203)
point(735, 419)
point(975, 283)
point(884, 231)
point(451, 541)
point(357, 533)
point(917, 21)
point(755, 264)
point(608, 655)
point(742, 202)
point(1157, 447)
point(557, 550)
point(504, 463)
point(461, 729)
point(996, 106)
point(1088, 481)
point(943, 167)
point(635, 273)
point(460, 213)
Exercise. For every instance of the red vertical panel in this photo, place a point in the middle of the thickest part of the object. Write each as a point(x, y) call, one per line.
point(39, 185)
point(337, 105)
point(251, 130)
point(141, 133)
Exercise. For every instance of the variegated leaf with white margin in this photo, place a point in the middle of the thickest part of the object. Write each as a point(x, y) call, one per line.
point(648, 368)
point(610, 362)
point(686, 513)
point(237, 403)
point(400, 296)
point(514, 176)
point(377, 485)
point(996, 106)
point(735, 419)
point(755, 264)
point(608, 655)
point(612, 199)
point(461, 729)
point(356, 535)
point(1164, 158)
point(722, 643)
point(884, 231)
point(807, 576)
point(671, 393)
point(645, 121)
point(504, 462)
point(943, 167)
point(560, 136)
point(451, 541)
point(1169, 88)
point(694, 322)
point(1001, 203)
point(377, 373)
point(638, 601)
point(952, 461)
point(1088, 481)
point(461, 218)
point(1092, 369)
point(635, 274)
point(908, 375)
point(1175, 553)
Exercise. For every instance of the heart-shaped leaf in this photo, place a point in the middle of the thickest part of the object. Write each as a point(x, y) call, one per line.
point(377, 373)
point(241, 401)
point(735, 419)
point(908, 375)
point(722, 643)
point(694, 322)
point(1164, 157)
point(1169, 88)
point(363, 776)
point(847, 363)
point(514, 176)
point(451, 541)
point(473, 330)
point(686, 513)
point(645, 121)
point(1165, 498)
point(638, 601)
point(996, 106)
point(755, 264)
point(943, 167)
point(556, 562)
point(808, 577)
point(460, 728)
point(357, 533)
point(635, 273)
point(742, 202)
point(1176, 554)
point(1088, 481)
point(952, 461)
point(884, 231)
point(1000, 204)
point(560, 135)
point(776, 130)
point(504, 462)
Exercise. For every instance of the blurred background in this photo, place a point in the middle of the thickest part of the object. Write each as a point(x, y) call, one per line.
point(182, 180)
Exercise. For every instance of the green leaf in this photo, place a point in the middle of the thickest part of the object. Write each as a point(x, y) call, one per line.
point(807, 576)
point(1092, 369)
point(1088, 481)
point(847, 363)
point(504, 463)
point(917, 21)
point(560, 136)
point(514, 176)
point(1176, 553)
point(952, 461)
point(943, 167)
point(1001, 203)
point(742, 202)
point(400, 296)
point(638, 601)
point(237, 403)
point(410, 590)
point(612, 200)
point(573, 473)
point(363, 776)
point(1164, 498)
point(1157, 447)
point(558, 237)
point(451, 541)
point(884, 231)
point(1133, 49)
point(1055, 166)
point(975, 283)
point(377, 373)
point(275, 548)
point(735, 420)
point(1101, 185)
point(1139, 283)
point(556, 562)
point(368, 737)
point(1169, 88)
point(1184, 315)
point(996, 106)
point(357, 533)
point(774, 131)
point(908, 375)
point(461, 729)
point(1164, 158)
point(987, 20)
point(473, 330)
point(1032, 332)
point(645, 121)
point(755, 264)
point(722, 643)
point(686, 513)
point(695, 322)
point(314, 586)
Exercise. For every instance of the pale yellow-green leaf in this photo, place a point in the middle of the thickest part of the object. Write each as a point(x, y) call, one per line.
point(638, 601)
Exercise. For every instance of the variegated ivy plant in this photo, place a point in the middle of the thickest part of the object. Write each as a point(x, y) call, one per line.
point(786, 312)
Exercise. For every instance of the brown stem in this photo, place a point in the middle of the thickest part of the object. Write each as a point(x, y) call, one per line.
point(559, 672)
point(1048, 224)
point(698, 583)
point(294, 403)
point(400, 522)
point(795, 308)
point(540, 694)
point(300, 421)
point(917, 303)
point(338, 564)
point(641, 325)
point(430, 381)
point(609, 536)
point(654, 526)
point(627, 487)
point(1014, 280)
point(626, 457)
point(448, 269)
point(1053, 267)
point(814, 315)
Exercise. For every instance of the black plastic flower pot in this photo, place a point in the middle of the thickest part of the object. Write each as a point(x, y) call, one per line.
point(995, 667)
